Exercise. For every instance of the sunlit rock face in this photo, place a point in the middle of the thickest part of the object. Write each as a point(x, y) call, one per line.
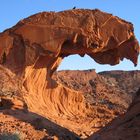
point(35, 46)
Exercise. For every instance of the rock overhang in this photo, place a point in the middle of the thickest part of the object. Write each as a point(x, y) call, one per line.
point(104, 37)
point(34, 48)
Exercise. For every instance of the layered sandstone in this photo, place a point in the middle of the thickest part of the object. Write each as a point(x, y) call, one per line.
point(109, 94)
point(33, 49)
point(116, 88)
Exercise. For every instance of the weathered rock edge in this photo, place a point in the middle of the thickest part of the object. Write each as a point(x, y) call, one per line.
point(35, 46)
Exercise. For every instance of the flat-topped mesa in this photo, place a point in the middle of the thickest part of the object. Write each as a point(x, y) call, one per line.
point(36, 45)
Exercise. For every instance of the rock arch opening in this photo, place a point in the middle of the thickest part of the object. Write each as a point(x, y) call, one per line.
point(76, 62)
point(49, 37)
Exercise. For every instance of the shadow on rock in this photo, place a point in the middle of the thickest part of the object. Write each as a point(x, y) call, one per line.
point(123, 127)
point(41, 123)
point(5, 103)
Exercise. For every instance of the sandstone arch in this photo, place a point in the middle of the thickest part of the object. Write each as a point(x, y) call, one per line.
point(36, 45)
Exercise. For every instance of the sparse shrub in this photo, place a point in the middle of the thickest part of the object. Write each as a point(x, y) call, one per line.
point(11, 136)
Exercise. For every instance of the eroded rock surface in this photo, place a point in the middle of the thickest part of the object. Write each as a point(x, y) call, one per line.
point(33, 49)
point(124, 127)
point(107, 85)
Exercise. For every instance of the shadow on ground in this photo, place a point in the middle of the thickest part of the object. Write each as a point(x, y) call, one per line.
point(39, 122)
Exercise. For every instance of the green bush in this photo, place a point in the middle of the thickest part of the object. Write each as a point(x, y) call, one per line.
point(11, 136)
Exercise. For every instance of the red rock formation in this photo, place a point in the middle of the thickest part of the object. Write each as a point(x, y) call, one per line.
point(34, 48)
point(124, 127)
point(112, 88)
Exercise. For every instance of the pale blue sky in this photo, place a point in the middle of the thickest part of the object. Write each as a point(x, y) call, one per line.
point(11, 11)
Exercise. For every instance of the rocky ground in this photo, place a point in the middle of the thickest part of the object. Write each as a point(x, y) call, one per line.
point(124, 127)
point(109, 94)
point(115, 89)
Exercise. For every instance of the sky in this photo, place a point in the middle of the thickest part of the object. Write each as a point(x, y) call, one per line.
point(11, 11)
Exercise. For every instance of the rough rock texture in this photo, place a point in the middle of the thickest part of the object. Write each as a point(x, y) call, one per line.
point(33, 49)
point(127, 81)
point(109, 93)
point(103, 85)
point(124, 127)
point(110, 85)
